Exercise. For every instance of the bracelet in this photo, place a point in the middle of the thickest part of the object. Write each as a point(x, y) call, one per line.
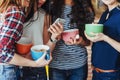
point(53, 41)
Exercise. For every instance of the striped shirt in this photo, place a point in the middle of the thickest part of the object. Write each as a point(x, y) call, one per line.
point(68, 56)
point(11, 25)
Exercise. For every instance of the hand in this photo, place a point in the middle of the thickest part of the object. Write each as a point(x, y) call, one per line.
point(42, 61)
point(96, 37)
point(56, 30)
point(74, 41)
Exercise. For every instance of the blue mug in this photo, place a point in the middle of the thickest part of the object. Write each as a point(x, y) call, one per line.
point(37, 51)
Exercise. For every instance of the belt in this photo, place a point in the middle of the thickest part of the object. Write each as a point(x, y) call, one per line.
point(102, 71)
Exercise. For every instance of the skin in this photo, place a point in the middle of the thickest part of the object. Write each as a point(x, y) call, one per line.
point(54, 29)
point(102, 37)
point(26, 3)
point(22, 61)
point(74, 41)
point(41, 2)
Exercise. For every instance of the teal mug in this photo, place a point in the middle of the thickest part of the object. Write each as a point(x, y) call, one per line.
point(95, 28)
point(37, 51)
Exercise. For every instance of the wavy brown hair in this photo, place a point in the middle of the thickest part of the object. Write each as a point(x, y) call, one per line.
point(82, 12)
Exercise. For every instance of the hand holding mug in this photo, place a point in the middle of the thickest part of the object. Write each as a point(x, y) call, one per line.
point(70, 36)
point(42, 61)
point(96, 37)
point(74, 41)
point(41, 54)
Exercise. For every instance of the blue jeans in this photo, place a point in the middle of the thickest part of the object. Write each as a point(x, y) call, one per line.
point(31, 73)
point(71, 74)
point(106, 75)
point(8, 72)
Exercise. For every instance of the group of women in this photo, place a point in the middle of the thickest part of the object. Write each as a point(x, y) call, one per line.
point(68, 60)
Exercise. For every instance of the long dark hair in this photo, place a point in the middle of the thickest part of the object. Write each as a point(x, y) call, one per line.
point(118, 0)
point(45, 6)
point(82, 12)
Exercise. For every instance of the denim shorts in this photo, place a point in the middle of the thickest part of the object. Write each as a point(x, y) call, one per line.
point(71, 74)
point(8, 72)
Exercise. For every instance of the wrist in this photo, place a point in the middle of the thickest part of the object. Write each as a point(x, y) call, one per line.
point(53, 40)
point(106, 38)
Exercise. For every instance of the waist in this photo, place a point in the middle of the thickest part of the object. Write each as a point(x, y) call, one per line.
point(101, 70)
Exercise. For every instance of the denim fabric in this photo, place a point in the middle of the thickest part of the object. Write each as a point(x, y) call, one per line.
point(29, 73)
point(71, 74)
point(106, 75)
point(8, 72)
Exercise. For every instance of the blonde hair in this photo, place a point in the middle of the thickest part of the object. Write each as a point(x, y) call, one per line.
point(4, 4)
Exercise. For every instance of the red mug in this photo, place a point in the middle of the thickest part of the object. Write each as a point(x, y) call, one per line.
point(68, 34)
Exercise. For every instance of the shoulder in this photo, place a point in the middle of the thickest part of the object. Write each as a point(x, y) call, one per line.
point(14, 10)
point(42, 11)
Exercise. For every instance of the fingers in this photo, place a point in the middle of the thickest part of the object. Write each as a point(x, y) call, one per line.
point(53, 28)
point(56, 28)
point(59, 27)
point(74, 41)
point(88, 37)
point(96, 36)
point(42, 61)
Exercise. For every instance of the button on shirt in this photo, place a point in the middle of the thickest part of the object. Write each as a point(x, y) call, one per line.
point(11, 25)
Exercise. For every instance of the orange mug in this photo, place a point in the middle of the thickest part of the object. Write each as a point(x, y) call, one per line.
point(23, 46)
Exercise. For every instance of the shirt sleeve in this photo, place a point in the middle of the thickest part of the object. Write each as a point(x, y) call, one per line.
point(10, 32)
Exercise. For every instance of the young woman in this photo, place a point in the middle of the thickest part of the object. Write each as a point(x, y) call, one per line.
point(70, 59)
point(12, 15)
point(106, 46)
point(32, 28)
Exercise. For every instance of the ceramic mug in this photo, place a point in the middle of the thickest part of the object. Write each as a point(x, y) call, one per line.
point(68, 34)
point(95, 28)
point(38, 50)
point(23, 45)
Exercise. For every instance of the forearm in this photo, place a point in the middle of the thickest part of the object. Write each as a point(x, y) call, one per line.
point(51, 45)
point(112, 42)
point(21, 61)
